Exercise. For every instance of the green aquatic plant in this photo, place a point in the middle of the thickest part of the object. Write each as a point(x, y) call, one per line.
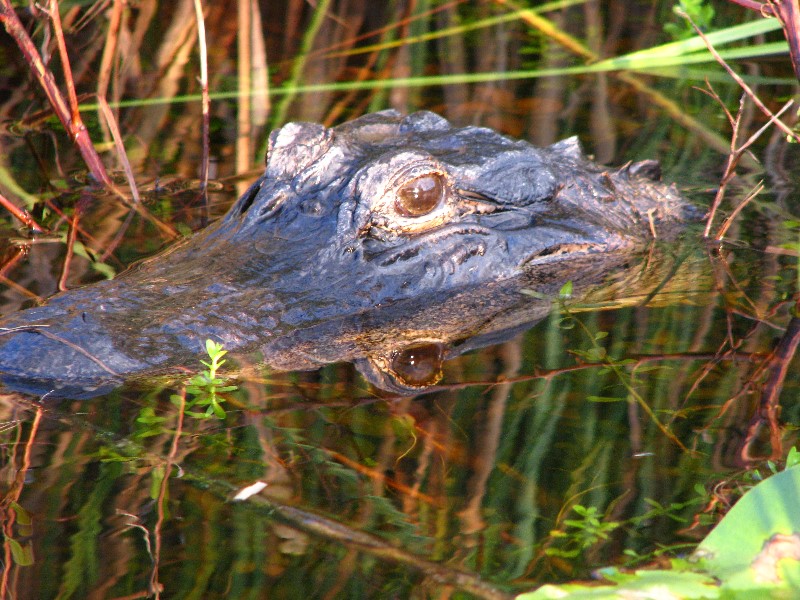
point(754, 552)
point(206, 386)
point(583, 532)
point(21, 552)
point(700, 11)
point(589, 527)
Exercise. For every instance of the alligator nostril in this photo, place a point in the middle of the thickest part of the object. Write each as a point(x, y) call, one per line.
point(246, 201)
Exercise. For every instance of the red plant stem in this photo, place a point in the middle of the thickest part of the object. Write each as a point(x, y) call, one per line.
point(761, 7)
point(55, 16)
point(769, 407)
point(21, 214)
point(109, 49)
point(71, 237)
point(75, 127)
point(12, 496)
point(18, 253)
point(788, 12)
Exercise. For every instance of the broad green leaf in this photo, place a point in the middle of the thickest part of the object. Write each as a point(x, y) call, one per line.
point(757, 544)
point(641, 584)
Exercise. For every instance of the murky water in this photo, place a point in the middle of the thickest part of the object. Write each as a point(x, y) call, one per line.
point(613, 427)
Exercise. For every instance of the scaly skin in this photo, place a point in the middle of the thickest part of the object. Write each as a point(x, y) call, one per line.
point(380, 215)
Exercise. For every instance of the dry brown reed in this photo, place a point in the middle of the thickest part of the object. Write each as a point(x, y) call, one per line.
point(67, 113)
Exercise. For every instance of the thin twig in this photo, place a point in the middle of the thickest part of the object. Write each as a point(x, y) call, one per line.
point(734, 158)
point(723, 229)
point(21, 215)
point(109, 49)
point(72, 235)
point(788, 13)
point(55, 16)
point(201, 39)
point(756, 100)
point(76, 129)
point(730, 164)
point(120, 146)
point(761, 7)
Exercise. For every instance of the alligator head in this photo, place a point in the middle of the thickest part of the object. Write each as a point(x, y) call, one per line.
point(381, 214)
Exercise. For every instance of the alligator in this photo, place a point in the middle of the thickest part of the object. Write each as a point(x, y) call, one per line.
point(383, 224)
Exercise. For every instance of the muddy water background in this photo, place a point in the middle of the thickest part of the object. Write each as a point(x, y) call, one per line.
point(647, 415)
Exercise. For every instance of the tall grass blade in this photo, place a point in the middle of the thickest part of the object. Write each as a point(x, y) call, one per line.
point(695, 46)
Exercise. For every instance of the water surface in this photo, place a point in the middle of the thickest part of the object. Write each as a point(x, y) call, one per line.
point(647, 414)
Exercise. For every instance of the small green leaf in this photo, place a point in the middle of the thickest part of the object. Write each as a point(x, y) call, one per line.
point(567, 323)
point(596, 354)
point(604, 399)
point(21, 555)
point(105, 270)
point(156, 479)
point(793, 458)
point(23, 518)
point(148, 417)
point(197, 415)
point(533, 294)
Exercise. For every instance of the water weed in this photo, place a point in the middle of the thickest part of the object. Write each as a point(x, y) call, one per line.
point(206, 386)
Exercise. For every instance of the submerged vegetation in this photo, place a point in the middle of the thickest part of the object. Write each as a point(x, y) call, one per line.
point(601, 442)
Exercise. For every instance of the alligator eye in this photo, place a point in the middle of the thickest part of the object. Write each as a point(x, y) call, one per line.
point(420, 196)
point(419, 365)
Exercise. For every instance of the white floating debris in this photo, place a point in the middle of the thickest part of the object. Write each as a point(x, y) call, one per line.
point(250, 490)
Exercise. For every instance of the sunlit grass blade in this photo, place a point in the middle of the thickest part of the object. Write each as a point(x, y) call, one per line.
point(677, 52)
point(460, 29)
point(630, 62)
point(717, 38)
point(673, 54)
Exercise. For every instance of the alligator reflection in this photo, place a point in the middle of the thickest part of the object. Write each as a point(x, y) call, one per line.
point(402, 350)
point(401, 347)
